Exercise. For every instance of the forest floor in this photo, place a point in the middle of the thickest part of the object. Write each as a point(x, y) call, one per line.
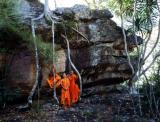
point(98, 104)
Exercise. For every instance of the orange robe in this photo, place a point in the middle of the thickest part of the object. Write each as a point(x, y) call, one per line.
point(51, 80)
point(65, 95)
point(74, 89)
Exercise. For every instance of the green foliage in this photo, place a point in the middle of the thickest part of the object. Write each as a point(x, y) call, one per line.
point(146, 15)
point(10, 20)
point(45, 49)
point(97, 4)
point(8, 12)
point(87, 113)
point(151, 91)
point(146, 12)
point(4, 50)
point(124, 7)
point(66, 27)
point(154, 79)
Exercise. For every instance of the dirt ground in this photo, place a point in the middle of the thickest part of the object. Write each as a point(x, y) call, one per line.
point(98, 104)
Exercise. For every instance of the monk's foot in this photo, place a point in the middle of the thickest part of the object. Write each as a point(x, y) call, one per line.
point(65, 108)
point(80, 98)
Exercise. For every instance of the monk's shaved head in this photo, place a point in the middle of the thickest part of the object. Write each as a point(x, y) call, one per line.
point(54, 66)
point(71, 72)
point(64, 74)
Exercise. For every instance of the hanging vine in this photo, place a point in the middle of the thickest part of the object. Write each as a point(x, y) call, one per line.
point(73, 66)
point(48, 16)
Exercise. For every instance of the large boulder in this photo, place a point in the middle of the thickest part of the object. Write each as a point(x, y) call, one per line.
point(96, 42)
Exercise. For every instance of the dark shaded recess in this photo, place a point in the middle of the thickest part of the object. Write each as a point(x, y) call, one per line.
point(119, 29)
point(64, 28)
point(46, 34)
point(59, 29)
point(9, 43)
point(109, 81)
point(36, 3)
point(9, 39)
point(131, 39)
point(18, 100)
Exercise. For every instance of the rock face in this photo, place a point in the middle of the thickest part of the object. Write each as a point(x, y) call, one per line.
point(96, 42)
point(97, 45)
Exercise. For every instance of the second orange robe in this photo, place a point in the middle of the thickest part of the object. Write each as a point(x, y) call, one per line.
point(65, 94)
point(51, 80)
point(74, 89)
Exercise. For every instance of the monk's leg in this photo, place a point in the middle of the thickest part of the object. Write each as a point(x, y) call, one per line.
point(50, 83)
point(68, 100)
point(77, 91)
point(62, 98)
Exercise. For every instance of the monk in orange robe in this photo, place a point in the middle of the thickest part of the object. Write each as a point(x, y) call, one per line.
point(73, 89)
point(65, 95)
point(53, 79)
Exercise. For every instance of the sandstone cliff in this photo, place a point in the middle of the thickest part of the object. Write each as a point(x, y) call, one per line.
point(97, 49)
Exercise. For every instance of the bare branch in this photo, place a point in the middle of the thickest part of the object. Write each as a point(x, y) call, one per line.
point(55, 4)
point(158, 6)
point(69, 57)
point(125, 43)
point(134, 30)
point(81, 34)
point(147, 41)
point(36, 58)
point(47, 15)
point(155, 44)
point(157, 55)
point(55, 94)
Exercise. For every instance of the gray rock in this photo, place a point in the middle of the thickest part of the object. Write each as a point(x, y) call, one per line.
point(81, 12)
